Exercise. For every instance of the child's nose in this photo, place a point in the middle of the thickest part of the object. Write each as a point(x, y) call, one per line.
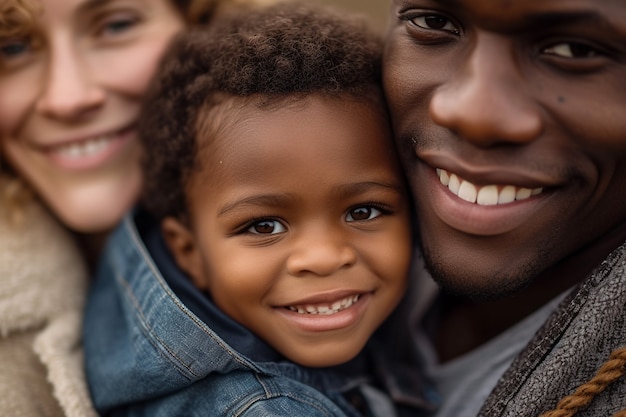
point(321, 255)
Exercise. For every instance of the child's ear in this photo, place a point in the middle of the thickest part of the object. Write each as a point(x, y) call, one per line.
point(183, 246)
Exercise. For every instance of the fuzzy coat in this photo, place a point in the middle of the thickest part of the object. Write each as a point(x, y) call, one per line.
point(43, 281)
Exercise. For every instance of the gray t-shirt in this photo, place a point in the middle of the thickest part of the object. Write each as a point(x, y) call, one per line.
point(465, 382)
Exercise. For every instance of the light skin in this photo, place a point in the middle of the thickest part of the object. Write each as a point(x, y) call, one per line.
point(527, 95)
point(301, 207)
point(70, 97)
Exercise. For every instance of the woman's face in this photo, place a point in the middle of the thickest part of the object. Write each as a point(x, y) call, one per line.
point(70, 95)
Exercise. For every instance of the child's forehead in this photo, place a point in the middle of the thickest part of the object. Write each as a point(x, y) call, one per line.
point(240, 131)
point(224, 113)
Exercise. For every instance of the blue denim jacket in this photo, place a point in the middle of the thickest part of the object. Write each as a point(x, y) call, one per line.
point(147, 353)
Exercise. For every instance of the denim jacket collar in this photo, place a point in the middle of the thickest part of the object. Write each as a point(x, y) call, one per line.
point(181, 344)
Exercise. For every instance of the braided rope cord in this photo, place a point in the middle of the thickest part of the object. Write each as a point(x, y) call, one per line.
point(609, 372)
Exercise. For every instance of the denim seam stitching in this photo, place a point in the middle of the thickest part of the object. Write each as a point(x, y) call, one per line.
point(142, 253)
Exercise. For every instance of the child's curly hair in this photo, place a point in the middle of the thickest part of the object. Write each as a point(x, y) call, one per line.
point(263, 57)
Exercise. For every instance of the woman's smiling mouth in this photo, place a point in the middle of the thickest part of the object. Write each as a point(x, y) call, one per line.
point(90, 152)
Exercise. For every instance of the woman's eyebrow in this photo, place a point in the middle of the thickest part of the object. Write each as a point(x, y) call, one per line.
point(91, 5)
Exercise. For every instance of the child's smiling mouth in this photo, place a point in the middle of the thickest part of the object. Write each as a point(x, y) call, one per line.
point(326, 309)
point(319, 316)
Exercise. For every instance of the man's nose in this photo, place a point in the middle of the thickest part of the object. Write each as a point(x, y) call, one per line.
point(321, 253)
point(69, 90)
point(487, 101)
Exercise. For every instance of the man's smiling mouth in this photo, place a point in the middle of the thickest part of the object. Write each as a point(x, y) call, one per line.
point(486, 195)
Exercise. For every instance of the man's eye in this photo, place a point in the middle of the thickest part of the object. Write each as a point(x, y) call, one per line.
point(266, 227)
point(362, 213)
point(435, 22)
point(571, 50)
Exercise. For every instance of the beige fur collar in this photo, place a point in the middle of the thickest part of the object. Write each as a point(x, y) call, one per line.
point(42, 274)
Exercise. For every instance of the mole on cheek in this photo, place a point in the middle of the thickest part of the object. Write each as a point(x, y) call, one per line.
point(561, 99)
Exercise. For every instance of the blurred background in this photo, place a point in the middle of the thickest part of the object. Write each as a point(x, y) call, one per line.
point(376, 10)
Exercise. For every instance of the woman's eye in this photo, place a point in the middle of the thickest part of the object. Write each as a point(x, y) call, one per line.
point(266, 227)
point(571, 50)
point(13, 49)
point(362, 213)
point(435, 22)
point(118, 25)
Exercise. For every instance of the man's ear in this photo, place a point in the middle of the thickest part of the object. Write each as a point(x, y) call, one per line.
point(184, 248)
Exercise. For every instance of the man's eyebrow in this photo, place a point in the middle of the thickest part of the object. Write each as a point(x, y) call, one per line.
point(447, 3)
point(561, 18)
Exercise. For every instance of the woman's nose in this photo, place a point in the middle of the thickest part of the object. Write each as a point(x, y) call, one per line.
point(69, 90)
point(321, 255)
point(486, 101)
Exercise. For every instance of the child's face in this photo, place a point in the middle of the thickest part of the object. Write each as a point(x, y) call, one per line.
point(300, 227)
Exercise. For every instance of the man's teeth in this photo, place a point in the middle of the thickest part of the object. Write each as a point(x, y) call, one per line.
point(487, 195)
point(325, 309)
point(85, 148)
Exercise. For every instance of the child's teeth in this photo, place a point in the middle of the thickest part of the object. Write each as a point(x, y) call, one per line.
point(326, 309)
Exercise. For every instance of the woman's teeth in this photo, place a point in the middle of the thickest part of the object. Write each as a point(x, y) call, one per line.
point(325, 309)
point(85, 148)
point(487, 195)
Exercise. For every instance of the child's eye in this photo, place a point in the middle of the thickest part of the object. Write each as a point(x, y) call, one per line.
point(571, 50)
point(266, 227)
point(435, 22)
point(362, 213)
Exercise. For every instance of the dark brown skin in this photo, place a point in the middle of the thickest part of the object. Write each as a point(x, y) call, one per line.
point(522, 93)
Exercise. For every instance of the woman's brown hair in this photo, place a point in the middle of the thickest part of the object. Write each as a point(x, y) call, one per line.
point(18, 18)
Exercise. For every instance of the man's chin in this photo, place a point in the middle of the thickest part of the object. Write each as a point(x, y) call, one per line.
point(469, 283)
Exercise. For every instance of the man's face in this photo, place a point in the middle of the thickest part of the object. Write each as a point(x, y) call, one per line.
point(511, 122)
